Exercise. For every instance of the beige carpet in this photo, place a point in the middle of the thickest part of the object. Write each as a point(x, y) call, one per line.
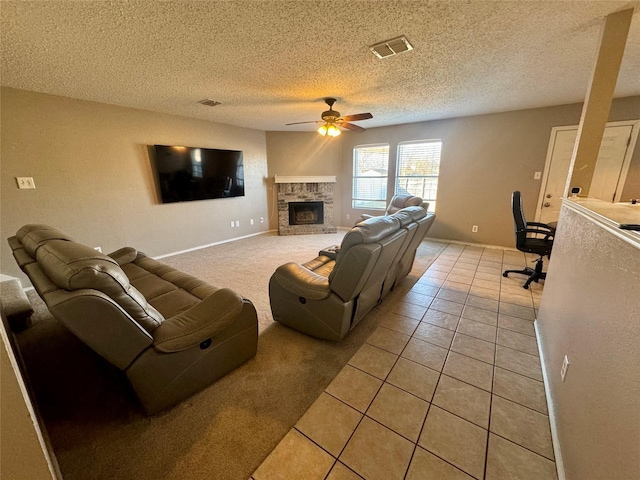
point(98, 430)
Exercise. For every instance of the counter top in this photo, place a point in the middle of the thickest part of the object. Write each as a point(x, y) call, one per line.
point(609, 215)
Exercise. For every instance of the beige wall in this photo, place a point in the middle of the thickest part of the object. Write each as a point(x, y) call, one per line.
point(94, 180)
point(302, 153)
point(484, 159)
point(590, 312)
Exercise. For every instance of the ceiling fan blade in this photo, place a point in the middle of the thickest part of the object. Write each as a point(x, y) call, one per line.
point(298, 123)
point(356, 117)
point(351, 126)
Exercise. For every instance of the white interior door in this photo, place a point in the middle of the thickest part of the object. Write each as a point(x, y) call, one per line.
point(609, 174)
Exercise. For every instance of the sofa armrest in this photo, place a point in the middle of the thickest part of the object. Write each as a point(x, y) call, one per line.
point(124, 255)
point(302, 282)
point(201, 322)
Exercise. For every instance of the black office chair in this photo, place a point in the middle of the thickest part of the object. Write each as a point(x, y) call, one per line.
point(531, 237)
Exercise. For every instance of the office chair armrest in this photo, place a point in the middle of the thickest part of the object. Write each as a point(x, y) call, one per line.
point(542, 225)
point(548, 234)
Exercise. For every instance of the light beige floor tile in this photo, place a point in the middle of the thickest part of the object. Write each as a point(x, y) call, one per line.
point(477, 329)
point(520, 389)
point(484, 293)
point(434, 334)
point(340, 472)
point(474, 347)
point(461, 276)
point(464, 400)
point(526, 313)
point(354, 387)
point(433, 273)
point(447, 306)
point(424, 289)
point(373, 360)
point(521, 425)
point(480, 315)
point(398, 410)
point(469, 370)
point(516, 324)
point(456, 287)
point(478, 282)
point(518, 362)
point(414, 378)
point(484, 303)
point(492, 277)
point(295, 457)
point(425, 353)
point(518, 341)
point(432, 282)
point(418, 298)
point(377, 453)
point(453, 296)
point(525, 300)
point(329, 423)
point(513, 285)
point(399, 323)
point(388, 340)
point(441, 319)
point(410, 310)
point(493, 270)
point(455, 440)
point(508, 461)
point(425, 466)
point(440, 267)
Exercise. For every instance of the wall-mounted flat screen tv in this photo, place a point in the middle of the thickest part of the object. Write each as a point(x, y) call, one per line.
point(185, 174)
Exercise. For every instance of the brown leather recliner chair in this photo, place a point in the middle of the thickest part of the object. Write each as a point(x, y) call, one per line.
point(328, 296)
point(398, 202)
point(171, 333)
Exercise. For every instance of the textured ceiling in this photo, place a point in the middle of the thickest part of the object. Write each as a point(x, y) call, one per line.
point(272, 62)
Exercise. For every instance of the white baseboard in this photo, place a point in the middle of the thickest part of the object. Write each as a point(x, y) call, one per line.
point(459, 242)
point(557, 451)
point(200, 247)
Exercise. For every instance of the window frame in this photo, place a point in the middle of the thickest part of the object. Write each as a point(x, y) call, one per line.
point(356, 177)
point(398, 177)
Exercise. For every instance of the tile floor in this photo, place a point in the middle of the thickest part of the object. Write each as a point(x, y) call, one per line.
point(448, 387)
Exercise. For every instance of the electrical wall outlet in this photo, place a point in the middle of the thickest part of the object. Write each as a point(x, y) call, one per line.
point(251, 221)
point(233, 224)
point(474, 229)
point(348, 216)
point(25, 182)
point(237, 223)
point(565, 366)
point(261, 219)
point(537, 175)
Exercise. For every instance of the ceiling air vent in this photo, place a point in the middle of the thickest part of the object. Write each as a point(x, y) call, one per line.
point(391, 47)
point(209, 103)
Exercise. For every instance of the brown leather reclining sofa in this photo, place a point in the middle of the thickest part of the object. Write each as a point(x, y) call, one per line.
point(328, 296)
point(171, 333)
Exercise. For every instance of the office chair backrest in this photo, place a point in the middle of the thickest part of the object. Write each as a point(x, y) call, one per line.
point(518, 217)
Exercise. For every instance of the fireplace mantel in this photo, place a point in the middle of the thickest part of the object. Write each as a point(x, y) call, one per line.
point(305, 179)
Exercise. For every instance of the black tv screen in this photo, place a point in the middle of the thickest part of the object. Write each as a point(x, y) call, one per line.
point(186, 174)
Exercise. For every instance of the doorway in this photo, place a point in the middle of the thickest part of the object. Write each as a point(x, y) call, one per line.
point(610, 172)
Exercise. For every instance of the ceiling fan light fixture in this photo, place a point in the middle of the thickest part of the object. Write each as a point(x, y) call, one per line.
point(333, 131)
point(323, 130)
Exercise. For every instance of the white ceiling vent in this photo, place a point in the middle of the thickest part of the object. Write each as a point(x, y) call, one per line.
point(391, 47)
point(209, 103)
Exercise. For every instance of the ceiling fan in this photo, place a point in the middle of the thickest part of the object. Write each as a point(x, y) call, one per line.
point(331, 120)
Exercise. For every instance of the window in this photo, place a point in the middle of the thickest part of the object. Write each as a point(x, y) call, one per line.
point(418, 169)
point(370, 172)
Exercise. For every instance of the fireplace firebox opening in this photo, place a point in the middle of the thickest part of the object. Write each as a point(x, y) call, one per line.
point(306, 213)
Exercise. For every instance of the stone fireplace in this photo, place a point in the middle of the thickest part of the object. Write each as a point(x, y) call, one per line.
point(305, 204)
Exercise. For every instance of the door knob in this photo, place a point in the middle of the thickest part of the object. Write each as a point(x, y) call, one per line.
point(546, 204)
